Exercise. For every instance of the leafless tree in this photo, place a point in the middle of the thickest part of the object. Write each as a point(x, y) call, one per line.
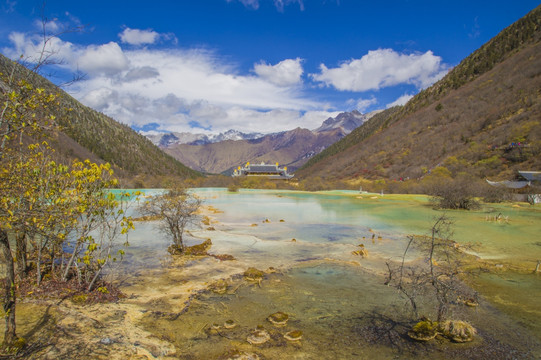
point(176, 209)
point(437, 278)
point(457, 193)
point(48, 55)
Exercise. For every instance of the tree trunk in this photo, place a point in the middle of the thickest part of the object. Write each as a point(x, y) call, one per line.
point(70, 262)
point(62, 259)
point(38, 265)
point(442, 312)
point(98, 271)
point(53, 252)
point(21, 254)
point(79, 275)
point(9, 290)
point(177, 238)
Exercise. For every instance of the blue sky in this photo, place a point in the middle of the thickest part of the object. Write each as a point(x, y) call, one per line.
point(251, 65)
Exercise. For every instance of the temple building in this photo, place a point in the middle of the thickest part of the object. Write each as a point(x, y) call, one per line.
point(273, 172)
point(523, 179)
point(525, 186)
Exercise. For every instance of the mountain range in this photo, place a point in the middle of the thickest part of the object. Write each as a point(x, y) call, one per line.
point(223, 152)
point(167, 139)
point(483, 119)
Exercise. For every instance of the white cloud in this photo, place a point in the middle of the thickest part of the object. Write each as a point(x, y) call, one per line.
point(51, 26)
point(176, 114)
point(138, 37)
point(197, 75)
point(173, 113)
point(140, 73)
point(276, 120)
point(279, 4)
point(32, 48)
point(402, 100)
point(286, 73)
point(254, 4)
point(107, 59)
point(363, 104)
point(383, 68)
point(176, 88)
point(100, 98)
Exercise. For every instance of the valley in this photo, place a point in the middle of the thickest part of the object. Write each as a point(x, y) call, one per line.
point(291, 148)
point(409, 230)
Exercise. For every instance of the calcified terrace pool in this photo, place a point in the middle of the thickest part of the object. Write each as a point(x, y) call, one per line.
point(335, 300)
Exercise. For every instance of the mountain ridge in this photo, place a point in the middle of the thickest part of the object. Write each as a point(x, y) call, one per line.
point(463, 123)
point(85, 133)
point(346, 121)
point(165, 139)
point(291, 148)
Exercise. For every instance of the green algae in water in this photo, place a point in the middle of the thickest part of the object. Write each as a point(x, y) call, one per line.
point(347, 219)
point(323, 304)
point(335, 308)
point(516, 294)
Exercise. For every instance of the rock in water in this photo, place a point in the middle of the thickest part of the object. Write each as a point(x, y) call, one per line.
point(279, 318)
point(258, 336)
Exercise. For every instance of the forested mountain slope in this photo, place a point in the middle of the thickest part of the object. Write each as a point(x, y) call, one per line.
point(483, 117)
point(87, 134)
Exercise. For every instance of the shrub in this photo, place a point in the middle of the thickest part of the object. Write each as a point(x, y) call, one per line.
point(457, 193)
point(233, 188)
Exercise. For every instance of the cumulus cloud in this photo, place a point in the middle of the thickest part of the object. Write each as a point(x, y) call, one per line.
point(363, 104)
point(51, 26)
point(108, 59)
point(100, 98)
point(141, 73)
point(177, 114)
point(286, 73)
point(31, 48)
point(138, 37)
point(383, 68)
point(402, 100)
point(179, 89)
point(195, 75)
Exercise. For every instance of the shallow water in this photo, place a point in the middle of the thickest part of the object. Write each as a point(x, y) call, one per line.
point(331, 217)
point(317, 299)
point(342, 312)
point(330, 294)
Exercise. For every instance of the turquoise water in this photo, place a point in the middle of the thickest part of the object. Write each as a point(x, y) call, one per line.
point(337, 299)
point(323, 225)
